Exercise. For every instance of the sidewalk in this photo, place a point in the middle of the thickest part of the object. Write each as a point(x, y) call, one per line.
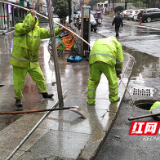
point(3, 32)
point(62, 134)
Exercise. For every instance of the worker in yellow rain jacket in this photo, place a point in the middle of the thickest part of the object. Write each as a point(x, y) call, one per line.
point(25, 55)
point(105, 57)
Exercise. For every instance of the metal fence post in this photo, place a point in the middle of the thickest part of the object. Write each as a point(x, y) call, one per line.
point(54, 47)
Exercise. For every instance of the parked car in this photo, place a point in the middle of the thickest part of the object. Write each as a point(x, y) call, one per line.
point(150, 14)
point(135, 17)
point(92, 22)
point(139, 15)
point(125, 13)
point(131, 14)
point(128, 13)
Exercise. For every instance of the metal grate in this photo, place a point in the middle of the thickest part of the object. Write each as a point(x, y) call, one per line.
point(142, 92)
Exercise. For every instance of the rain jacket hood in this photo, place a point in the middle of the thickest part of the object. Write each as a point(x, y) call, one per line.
point(29, 16)
point(26, 42)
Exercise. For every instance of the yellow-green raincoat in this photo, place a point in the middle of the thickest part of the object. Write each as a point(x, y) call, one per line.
point(25, 54)
point(105, 57)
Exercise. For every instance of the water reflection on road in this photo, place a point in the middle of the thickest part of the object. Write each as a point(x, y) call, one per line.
point(141, 43)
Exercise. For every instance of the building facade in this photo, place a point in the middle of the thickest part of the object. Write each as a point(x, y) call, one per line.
point(10, 15)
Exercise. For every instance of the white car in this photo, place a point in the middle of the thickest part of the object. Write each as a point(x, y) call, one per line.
point(125, 13)
point(131, 14)
point(135, 17)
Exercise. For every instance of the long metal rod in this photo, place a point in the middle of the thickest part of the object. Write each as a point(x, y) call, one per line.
point(128, 92)
point(47, 18)
point(34, 111)
point(31, 131)
point(143, 116)
point(54, 48)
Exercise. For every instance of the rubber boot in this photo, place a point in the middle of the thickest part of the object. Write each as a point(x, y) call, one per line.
point(19, 103)
point(46, 95)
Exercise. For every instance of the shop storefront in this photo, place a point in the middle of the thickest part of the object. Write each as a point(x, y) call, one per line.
point(22, 13)
point(7, 15)
point(10, 15)
point(2, 16)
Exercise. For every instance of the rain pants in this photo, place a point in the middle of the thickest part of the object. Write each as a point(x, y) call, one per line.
point(25, 54)
point(105, 57)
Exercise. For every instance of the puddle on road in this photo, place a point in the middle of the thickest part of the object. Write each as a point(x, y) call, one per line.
point(146, 66)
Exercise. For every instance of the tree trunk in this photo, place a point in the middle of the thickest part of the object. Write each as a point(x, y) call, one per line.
point(113, 4)
point(125, 4)
point(69, 5)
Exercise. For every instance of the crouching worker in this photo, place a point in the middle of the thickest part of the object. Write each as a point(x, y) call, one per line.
point(105, 57)
point(25, 55)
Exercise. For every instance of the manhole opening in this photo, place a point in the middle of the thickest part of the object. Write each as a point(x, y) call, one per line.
point(142, 92)
point(145, 104)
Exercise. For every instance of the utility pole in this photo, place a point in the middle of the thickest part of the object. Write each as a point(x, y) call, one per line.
point(54, 47)
point(69, 6)
point(125, 4)
point(113, 5)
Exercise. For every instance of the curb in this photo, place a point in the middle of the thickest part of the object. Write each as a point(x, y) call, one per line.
point(95, 142)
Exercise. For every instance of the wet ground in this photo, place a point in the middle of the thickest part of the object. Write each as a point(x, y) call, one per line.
point(145, 72)
point(7, 101)
point(143, 45)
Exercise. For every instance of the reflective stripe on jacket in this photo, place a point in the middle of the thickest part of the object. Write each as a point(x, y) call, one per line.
point(108, 50)
point(26, 42)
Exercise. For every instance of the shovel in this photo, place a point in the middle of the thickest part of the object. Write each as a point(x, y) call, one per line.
point(75, 109)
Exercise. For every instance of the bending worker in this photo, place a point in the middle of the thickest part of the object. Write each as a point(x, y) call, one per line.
point(105, 57)
point(25, 55)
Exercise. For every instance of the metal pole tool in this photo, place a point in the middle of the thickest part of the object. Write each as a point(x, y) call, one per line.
point(75, 109)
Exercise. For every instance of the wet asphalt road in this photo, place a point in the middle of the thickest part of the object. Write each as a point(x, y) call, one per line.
point(143, 45)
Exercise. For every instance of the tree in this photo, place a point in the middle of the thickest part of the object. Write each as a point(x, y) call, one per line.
point(69, 8)
point(118, 8)
point(61, 9)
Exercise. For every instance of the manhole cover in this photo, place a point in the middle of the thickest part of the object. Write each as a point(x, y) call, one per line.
point(142, 92)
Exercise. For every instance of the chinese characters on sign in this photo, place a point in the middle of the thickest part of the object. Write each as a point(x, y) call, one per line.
point(144, 128)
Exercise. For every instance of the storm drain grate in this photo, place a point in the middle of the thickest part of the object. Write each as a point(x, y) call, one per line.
point(142, 92)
